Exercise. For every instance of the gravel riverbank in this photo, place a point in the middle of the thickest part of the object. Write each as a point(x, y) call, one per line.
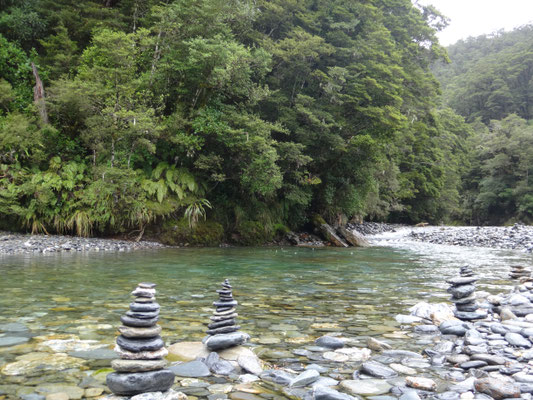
point(516, 237)
point(17, 243)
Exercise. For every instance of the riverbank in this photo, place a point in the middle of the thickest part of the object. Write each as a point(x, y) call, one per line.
point(516, 237)
point(18, 243)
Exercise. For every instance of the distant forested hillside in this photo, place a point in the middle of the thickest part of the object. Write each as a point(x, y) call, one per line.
point(490, 83)
point(255, 115)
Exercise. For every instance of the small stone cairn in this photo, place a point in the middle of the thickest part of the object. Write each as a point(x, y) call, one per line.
point(463, 294)
point(519, 271)
point(222, 331)
point(141, 367)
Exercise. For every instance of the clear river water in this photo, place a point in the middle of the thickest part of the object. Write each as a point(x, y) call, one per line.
point(287, 296)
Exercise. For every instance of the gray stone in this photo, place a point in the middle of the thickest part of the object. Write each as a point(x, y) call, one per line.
point(325, 381)
point(277, 376)
point(473, 364)
point(32, 396)
point(132, 332)
point(461, 281)
point(326, 393)
point(317, 367)
point(12, 341)
point(250, 364)
point(137, 345)
point(461, 291)
point(410, 395)
point(129, 384)
point(366, 387)
point(426, 329)
point(224, 341)
point(496, 388)
point(96, 354)
point(13, 327)
point(191, 369)
point(329, 342)
point(137, 365)
point(515, 339)
point(378, 370)
point(452, 327)
point(144, 307)
point(305, 378)
point(489, 359)
point(138, 322)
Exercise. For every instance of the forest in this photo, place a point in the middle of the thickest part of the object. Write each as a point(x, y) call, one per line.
point(239, 120)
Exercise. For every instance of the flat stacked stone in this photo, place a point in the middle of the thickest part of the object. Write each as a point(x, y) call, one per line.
point(463, 290)
point(519, 271)
point(141, 367)
point(222, 331)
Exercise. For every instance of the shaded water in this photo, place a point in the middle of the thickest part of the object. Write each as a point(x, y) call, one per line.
point(287, 296)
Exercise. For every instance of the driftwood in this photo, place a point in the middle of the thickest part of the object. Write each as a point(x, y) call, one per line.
point(38, 95)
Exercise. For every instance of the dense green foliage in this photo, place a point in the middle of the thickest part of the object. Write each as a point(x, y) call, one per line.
point(254, 114)
point(490, 83)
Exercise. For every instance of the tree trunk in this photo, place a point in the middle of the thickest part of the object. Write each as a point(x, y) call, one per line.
point(38, 95)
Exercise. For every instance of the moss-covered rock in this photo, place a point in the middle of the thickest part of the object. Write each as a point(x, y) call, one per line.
point(178, 232)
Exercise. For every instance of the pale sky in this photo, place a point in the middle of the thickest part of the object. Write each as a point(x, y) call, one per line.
point(478, 17)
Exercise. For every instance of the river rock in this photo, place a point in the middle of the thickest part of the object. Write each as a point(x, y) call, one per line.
point(366, 387)
point(330, 342)
point(147, 332)
point(191, 369)
point(331, 236)
point(326, 393)
point(142, 355)
point(223, 341)
point(137, 365)
point(128, 384)
point(140, 344)
point(138, 322)
point(496, 388)
point(277, 376)
point(515, 339)
point(250, 364)
point(378, 370)
point(6, 341)
point(421, 383)
point(305, 378)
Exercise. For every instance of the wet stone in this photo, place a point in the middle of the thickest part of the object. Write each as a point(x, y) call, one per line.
point(140, 382)
point(138, 322)
point(134, 332)
point(515, 339)
point(137, 365)
point(329, 342)
point(191, 369)
point(144, 307)
point(497, 389)
point(378, 370)
point(140, 344)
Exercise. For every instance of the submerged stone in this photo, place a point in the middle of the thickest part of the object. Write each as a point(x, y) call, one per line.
point(129, 384)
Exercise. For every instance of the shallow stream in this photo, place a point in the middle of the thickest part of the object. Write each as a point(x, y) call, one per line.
point(287, 296)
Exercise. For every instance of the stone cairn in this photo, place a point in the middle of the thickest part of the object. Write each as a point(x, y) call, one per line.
point(223, 331)
point(463, 290)
point(141, 367)
point(519, 271)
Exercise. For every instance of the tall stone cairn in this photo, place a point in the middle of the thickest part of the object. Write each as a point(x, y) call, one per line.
point(222, 331)
point(141, 367)
point(463, 290)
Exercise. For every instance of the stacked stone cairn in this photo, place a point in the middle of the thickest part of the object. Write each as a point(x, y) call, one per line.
point(223, 331)
point(463, 290)
point(141, 367)
point(519, 271)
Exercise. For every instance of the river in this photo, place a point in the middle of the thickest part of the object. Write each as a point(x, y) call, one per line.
point(287, 296)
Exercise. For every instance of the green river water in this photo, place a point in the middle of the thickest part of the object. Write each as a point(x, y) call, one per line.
point(287, 296)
